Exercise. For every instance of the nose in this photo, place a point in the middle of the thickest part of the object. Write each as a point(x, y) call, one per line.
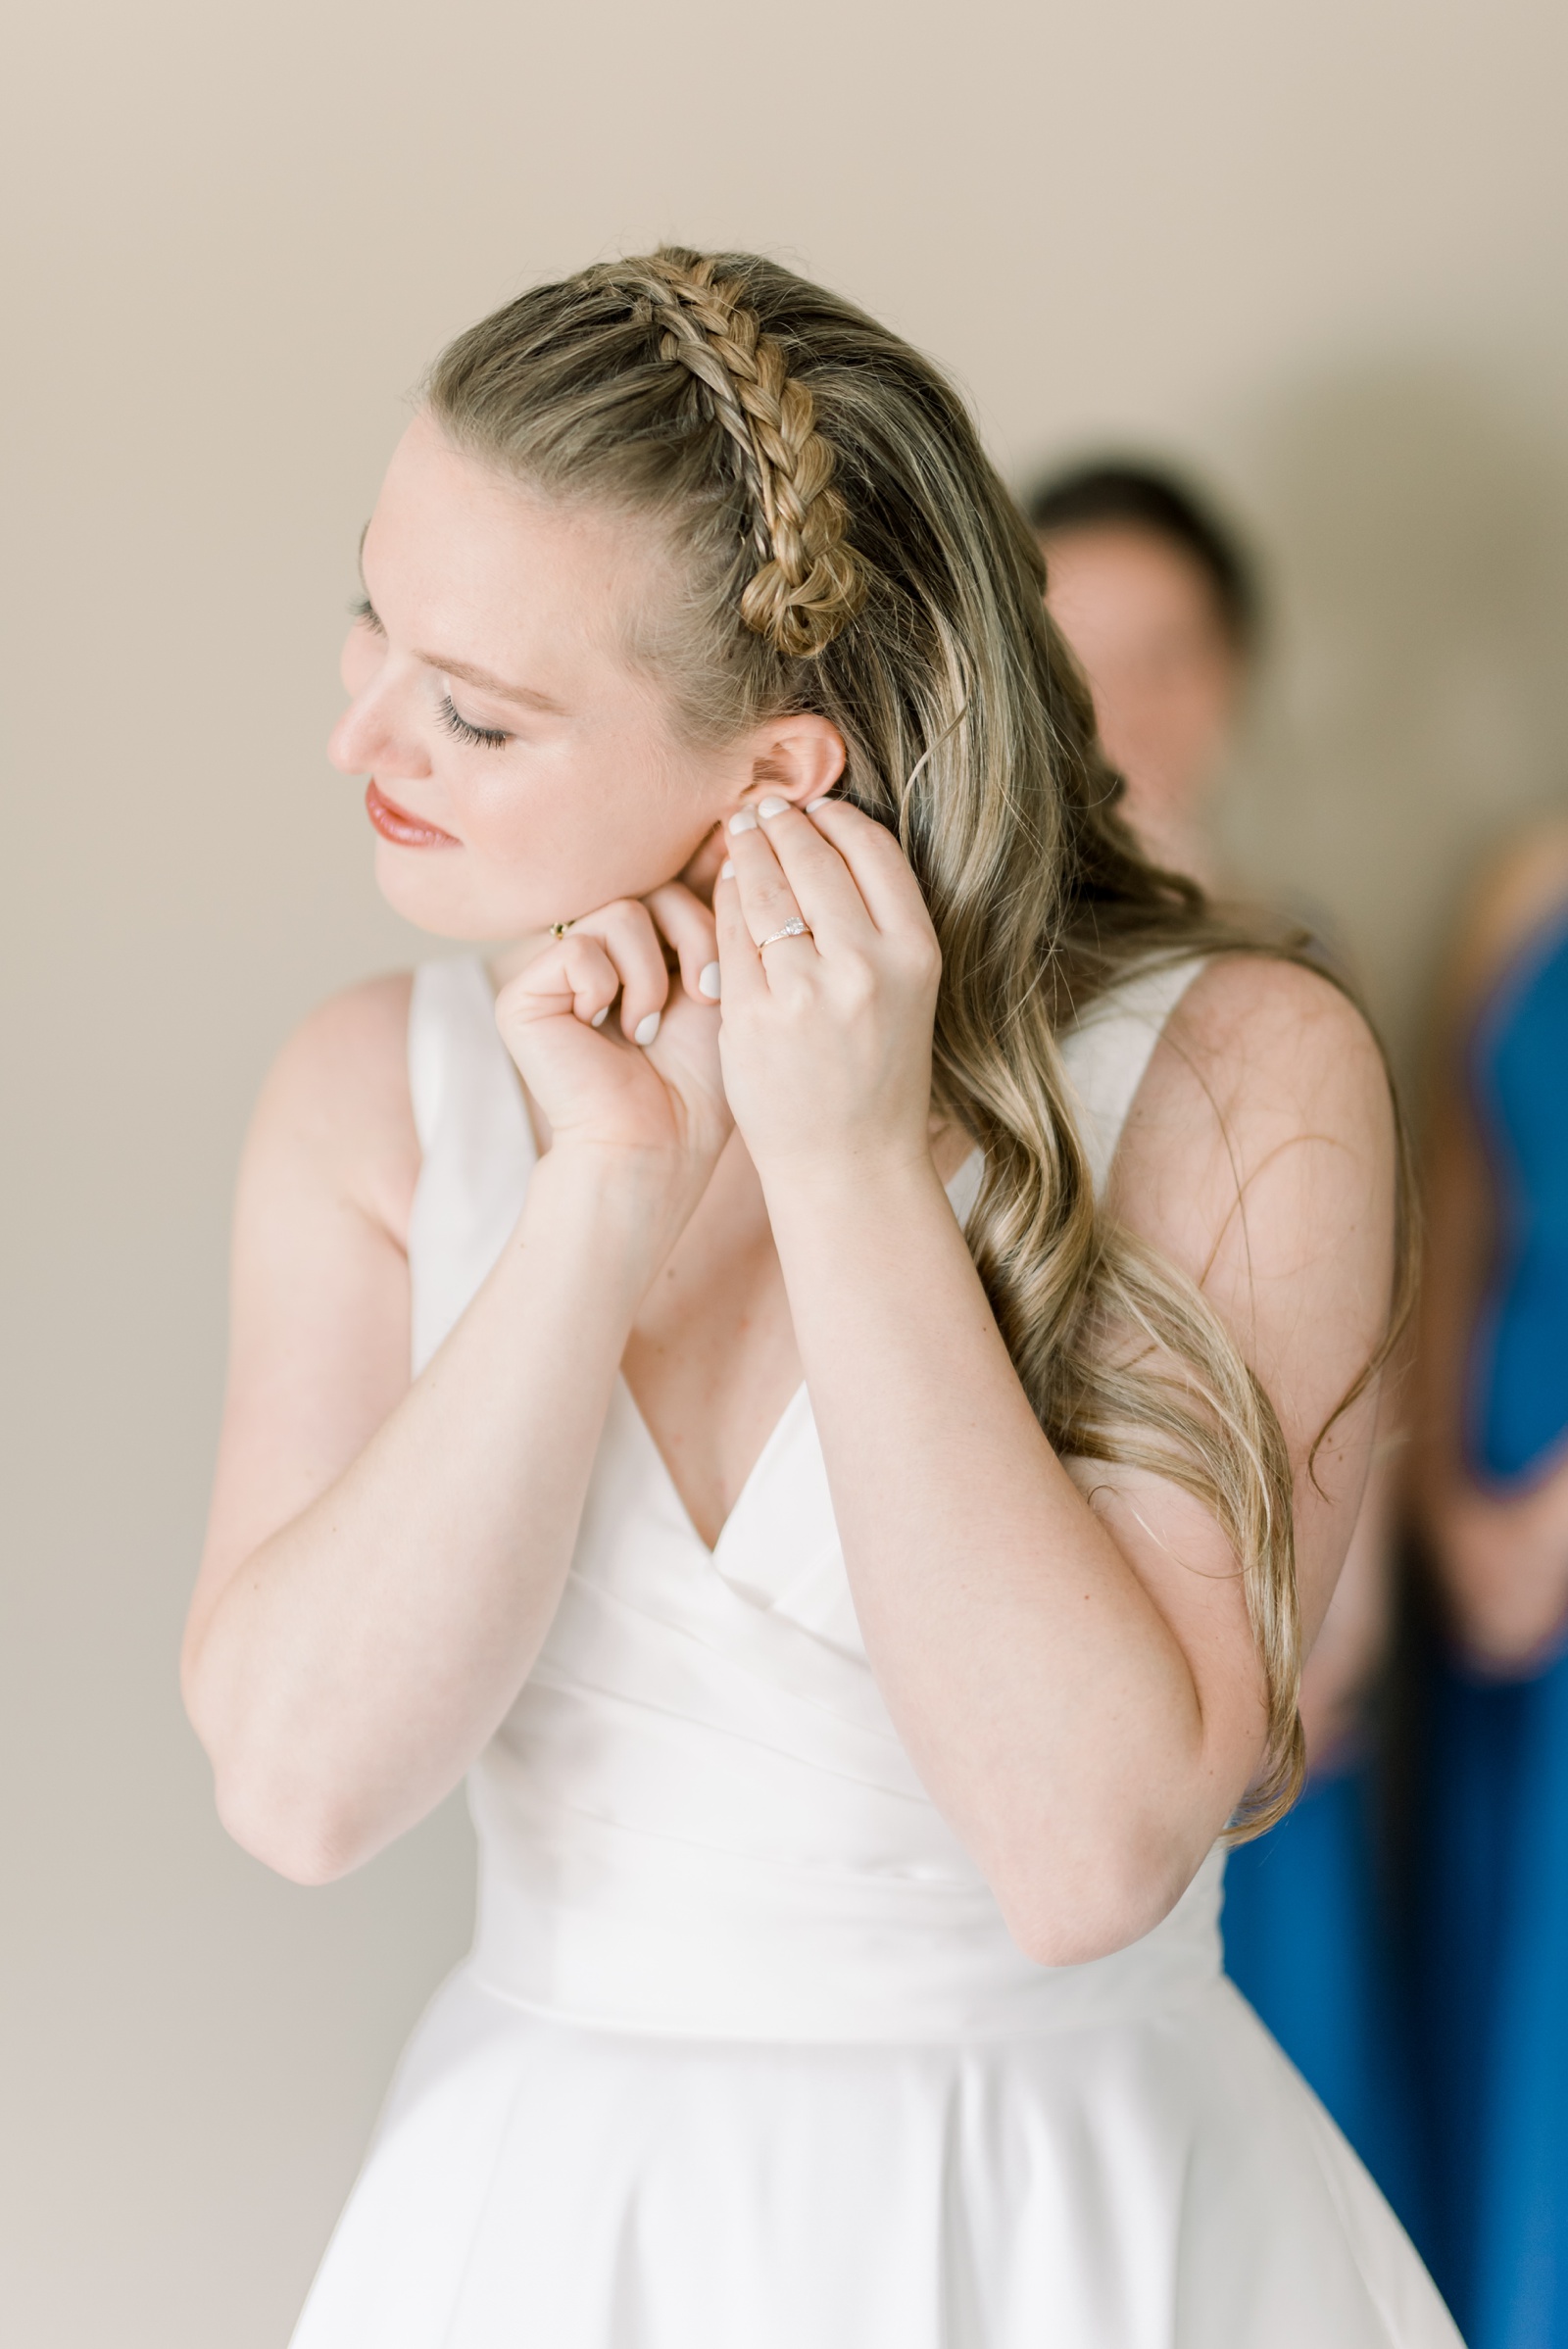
point(368, 737)
point(349, 745)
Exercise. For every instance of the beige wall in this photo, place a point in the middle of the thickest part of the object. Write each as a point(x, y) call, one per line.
point(1320, 248)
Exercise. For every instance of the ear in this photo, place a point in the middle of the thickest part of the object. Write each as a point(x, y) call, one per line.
point(797, 757)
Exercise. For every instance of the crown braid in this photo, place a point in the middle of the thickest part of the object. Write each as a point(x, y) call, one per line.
point(811, 582)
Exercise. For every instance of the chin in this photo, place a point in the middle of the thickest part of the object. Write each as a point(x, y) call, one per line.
point(431, 888)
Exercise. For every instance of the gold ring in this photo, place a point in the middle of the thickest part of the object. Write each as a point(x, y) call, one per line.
point(795, 928)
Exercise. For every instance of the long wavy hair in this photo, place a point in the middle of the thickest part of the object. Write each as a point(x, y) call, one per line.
point(846, 547)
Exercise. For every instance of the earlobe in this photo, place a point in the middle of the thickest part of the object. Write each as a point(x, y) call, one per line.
point(798, 758)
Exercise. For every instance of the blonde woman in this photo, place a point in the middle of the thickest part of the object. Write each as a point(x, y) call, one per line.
point(894, 1298)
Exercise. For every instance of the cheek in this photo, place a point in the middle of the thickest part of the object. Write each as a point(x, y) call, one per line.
point(599, 828)
point(1127, 716)
point(1202, 711)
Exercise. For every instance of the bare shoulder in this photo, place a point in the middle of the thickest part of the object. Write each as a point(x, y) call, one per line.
point(1249, 1006)
point(1259, 1053)
point(1260, 1156)
point(335, 1108)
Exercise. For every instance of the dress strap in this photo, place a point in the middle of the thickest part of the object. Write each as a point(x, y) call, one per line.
point(1108, 1051)
point(1105, 1053)
point(475, 1141)
point(477, 1146)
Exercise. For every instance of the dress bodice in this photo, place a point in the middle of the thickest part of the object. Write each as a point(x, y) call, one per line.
point(743, 2051)
point(697, 1817)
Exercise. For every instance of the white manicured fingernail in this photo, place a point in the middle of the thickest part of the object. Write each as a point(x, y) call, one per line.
point(646, 1029)
point(745, 822)
point(709, 980)
point(726, 871)
point(598, 1018)
point(772, 806)
point(826, 801)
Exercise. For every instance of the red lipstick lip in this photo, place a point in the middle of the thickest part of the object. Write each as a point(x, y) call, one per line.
point(397, 825)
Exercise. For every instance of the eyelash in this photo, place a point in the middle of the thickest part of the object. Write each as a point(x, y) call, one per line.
point(491, 736)
point(459, 726)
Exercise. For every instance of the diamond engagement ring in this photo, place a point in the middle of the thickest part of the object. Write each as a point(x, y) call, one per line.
point(795, 928)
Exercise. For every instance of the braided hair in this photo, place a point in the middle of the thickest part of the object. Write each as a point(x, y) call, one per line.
point(810, 581)
point(694, 370)
point(841, 543)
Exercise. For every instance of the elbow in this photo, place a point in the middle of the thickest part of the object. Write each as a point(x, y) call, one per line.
point(1049, 1936)
point(1510, 1635)
point(1071, 1914)
point(264, 1800)
point(1506, 1598)
point(293, 1839)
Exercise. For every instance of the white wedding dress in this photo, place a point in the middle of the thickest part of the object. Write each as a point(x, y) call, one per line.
point(743, 2057)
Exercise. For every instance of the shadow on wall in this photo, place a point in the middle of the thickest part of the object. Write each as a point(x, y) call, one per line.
point(1415, 707)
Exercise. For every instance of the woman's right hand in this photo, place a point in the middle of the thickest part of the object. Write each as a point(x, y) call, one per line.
point(647, 1083)
point(384, 1559)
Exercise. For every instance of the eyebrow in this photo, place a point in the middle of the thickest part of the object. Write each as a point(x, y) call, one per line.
point(527, 696)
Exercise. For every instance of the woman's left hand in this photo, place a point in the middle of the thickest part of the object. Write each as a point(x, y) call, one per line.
point(826, 1035)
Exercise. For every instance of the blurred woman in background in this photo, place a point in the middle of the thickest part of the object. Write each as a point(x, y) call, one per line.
point(1162, 607)
point(1161, 603)
point(1490, 1494)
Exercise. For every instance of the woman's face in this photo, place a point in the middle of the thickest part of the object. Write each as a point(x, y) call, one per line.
point(523, 769)
point(1145, 625)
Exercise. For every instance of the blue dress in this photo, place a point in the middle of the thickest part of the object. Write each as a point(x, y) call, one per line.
point(1492, 1928)
point(1310, 1943)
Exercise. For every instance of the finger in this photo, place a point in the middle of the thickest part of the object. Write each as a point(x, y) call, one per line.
point(822, 884)
point(766, 898)
point(592, 978)
point(625, 931)
point(881, 870)
point(688, 925)
point(745, 979)
point(576, 977)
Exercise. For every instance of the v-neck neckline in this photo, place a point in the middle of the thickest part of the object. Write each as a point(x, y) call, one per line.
point(773, 1443)
point(961, 1188)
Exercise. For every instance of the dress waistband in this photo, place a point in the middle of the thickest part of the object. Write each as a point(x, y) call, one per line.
point(597, 1929)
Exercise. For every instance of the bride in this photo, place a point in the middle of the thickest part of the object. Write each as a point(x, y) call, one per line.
point(894, 1291)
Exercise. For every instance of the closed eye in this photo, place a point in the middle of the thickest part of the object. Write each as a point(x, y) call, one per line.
point(365, 611)
point(459, 726)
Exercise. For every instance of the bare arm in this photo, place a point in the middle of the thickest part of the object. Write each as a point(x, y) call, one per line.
point(384, 1559)
point(1351, 1646)
point(1076, 1681)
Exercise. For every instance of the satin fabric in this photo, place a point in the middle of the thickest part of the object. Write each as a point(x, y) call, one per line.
point(744, 2053)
